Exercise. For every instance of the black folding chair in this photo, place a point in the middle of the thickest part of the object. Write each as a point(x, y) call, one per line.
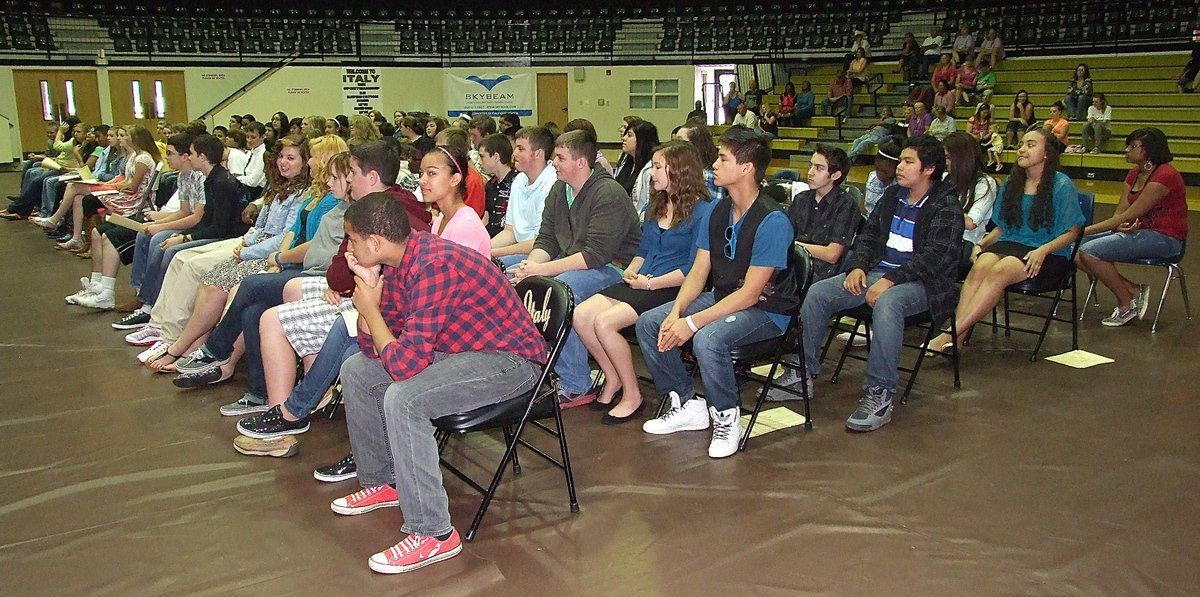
point(1174, 267)
point(551, 304)
point(772, 351)
point(1055, 290)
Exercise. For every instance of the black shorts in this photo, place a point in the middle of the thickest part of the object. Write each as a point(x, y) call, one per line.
point(640, 300)
point(1052, 268)
point(121, 237)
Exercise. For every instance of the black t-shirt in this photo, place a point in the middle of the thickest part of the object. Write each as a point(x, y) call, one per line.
point(496, 205)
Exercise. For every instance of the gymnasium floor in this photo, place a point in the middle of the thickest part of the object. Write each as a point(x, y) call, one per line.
point(1031, 479)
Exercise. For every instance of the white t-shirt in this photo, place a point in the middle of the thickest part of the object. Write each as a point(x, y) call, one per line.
point(526, 202)
point(236, 164)
point(1104, 116)
point(933, 41)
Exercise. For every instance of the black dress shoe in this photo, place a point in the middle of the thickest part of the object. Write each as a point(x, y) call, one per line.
point(599, 406)
point(339, 471)
point(608, 419)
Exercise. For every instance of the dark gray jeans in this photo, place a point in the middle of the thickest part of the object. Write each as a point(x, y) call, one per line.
point(390, 429)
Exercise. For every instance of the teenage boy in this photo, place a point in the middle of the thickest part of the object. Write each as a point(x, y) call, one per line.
point(589, 233)
point(747, 243)
point(429, 347)
point(495, 151)
point(254, 178)
point(903, 263)
point(825, 219)
point(535, 176)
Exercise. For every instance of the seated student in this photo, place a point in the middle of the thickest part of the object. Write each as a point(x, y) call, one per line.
point(535, 177)
point(825, 219)
point(148, 246)
point(220, 220)
point(876, 132)
point(976, 190)
point(495, 152)
point(476, 185)
point(419, 363)
point(679, 202)
point(1150, 222)
point(1098, 128)
point(1037, 217)
point(582, 124)
point(698, 135)
point(68, 138)
point(214, 360)
point(1056, 124)
point(638, 142)
point(589, 230)
point(748, 302)
point(903, 263)
point(883, 177)
point(253, 178)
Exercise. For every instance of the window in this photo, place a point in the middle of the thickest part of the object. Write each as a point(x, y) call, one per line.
point(70, 85)
point(160, 100)
point(47, 105)
point(657, 94)
point(139, 112)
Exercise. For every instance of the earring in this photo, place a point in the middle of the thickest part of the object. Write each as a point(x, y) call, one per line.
point(1148, 166)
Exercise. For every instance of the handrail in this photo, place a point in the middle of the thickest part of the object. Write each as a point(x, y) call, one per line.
point(876, 79)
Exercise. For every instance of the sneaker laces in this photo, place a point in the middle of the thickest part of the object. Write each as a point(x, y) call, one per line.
point(721, 431)
point(874, 400)
point(409, 545)
point(363, 494)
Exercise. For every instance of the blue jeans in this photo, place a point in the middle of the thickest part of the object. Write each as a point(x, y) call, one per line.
point(829, 296)
point(157, 261)
point(31, 190)
point(574, 373)
point(1125, 247)
point(711, 345)
point(865, 142)
point(338, 347)
point(512, 260)
point(52, 191)
point(143, 247)
point(1077, 106)
point(390, 433)
point(256, 294)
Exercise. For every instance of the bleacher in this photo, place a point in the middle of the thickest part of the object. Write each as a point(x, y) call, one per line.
point(1141, 89)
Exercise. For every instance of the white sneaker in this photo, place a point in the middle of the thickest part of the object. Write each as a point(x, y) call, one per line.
point(727, 431)
point(105, 300)
point(158, 349)
point(74, 298)
point(148, 335)
point(690, 416)
point(87, 288)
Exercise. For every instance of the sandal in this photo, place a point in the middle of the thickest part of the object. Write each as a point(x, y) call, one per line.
point(73, 244)
point(154, 365)
point(48, 223)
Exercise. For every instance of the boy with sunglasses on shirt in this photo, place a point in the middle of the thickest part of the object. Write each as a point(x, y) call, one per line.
point(748, 242)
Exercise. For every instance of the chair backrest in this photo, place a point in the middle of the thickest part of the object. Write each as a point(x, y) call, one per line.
point(1087, 204)
point(803, 267)
point(550, 304)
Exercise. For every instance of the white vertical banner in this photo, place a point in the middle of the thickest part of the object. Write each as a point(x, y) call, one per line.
point(488, 92)
point(360, 90)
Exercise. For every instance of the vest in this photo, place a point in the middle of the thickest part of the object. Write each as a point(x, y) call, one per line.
point(780, 295)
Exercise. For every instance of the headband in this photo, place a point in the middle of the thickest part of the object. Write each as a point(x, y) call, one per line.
point(884, 155)
point(452, 160)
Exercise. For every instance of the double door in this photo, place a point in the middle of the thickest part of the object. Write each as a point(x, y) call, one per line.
point(46, 97)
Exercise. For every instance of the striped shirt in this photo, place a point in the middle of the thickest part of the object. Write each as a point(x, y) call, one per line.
point(900, 237)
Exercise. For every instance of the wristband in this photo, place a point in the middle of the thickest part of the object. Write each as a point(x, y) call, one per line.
point(277, 259)
point(691, 324)
point(649, 284)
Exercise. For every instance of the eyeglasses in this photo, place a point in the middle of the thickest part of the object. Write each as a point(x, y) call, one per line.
point(729, 242)
point(1132, 146)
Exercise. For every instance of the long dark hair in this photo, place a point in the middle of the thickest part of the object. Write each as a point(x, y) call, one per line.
point(646, 135)
point(966, 166)
point(1041, 213)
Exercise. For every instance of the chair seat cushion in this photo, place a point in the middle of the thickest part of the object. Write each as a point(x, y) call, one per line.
point(864, 312)
point(755, 351)
point(508, 412)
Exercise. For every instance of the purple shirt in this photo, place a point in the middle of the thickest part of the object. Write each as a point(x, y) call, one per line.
point(918, 126)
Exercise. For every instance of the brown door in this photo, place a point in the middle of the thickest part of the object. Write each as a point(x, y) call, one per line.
point(552, 99)
point(49, 96)
point(147, 96)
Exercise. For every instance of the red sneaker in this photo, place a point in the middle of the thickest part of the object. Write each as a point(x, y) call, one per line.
point(361, 502)
point(415, 551)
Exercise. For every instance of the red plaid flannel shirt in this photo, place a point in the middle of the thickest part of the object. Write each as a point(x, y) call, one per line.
point(446, 298)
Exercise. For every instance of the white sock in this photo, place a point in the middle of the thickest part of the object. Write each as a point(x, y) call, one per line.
point(108, 283)
point(96, 277)
point(145, 308)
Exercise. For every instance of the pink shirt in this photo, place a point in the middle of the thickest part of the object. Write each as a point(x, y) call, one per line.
point(466, 229)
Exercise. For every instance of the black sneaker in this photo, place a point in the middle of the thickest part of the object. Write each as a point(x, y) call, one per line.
point(196, 380)
point(132, 321)
point(342, 470)
point(271, 424)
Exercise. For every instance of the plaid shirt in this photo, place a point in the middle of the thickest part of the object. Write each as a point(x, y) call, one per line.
point(446, 298)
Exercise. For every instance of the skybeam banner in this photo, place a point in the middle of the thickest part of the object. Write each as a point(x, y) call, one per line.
point(492, 93)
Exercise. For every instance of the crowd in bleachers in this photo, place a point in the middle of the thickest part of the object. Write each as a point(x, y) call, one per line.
point(374, 250)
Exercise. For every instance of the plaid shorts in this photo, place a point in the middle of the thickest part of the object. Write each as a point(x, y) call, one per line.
point(307, 321)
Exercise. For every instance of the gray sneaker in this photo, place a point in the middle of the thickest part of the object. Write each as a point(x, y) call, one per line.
point(1120, 316)
point(1143, 300)
point(874, 410)
point(248, 404)
point(789, 379)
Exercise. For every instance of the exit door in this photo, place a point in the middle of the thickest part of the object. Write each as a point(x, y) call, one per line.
point(49, 96)
point(147, 96)
point(552, 99)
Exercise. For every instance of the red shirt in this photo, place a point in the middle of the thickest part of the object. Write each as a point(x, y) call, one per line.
point(339, 276)
point(1169, 215)
point(444, 297)
point(476, 192)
